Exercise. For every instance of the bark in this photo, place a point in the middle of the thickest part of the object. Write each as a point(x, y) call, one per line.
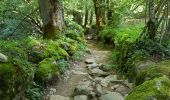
point(51, 12)
point(98, 12)
point(151, 23)
point(86, 15)
point(91, 17)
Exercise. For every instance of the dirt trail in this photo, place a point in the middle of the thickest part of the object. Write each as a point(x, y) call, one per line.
point(79, 72)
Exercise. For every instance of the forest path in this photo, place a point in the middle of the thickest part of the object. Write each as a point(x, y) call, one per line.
point(88, 79)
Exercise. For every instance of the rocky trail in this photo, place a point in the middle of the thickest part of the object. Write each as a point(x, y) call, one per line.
point(90, 79)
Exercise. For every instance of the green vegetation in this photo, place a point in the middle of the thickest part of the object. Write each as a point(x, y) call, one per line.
point(39, 39)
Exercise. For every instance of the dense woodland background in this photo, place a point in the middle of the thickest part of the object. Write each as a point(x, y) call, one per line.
point(39, 39)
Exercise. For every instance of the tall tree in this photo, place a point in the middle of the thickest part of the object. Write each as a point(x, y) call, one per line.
point(98, 12)
point(51, 12)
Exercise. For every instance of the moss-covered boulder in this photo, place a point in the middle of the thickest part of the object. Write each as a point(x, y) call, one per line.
point(155, 70)
point(155, 89)
point(40, 49)
point(47, 70)
point(15, 77)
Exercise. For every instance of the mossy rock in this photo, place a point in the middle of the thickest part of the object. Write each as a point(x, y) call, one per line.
point(156, 89)
point(15, 77)
point(47, 70)
point(156, 70)
point(136, 63)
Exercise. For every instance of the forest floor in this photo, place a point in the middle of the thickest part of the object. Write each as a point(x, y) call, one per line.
point(90, 79)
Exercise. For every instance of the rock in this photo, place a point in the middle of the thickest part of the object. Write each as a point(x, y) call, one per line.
point(105, 68)
point(88, 51)
point(89, 61)
point(98, 79)
point(92, 94)
point(115, 86)
point(126, 82)
point(112, 96)
point(80, 97)
point(91, 66)
point(52, 91)
point(108, 79)
point(83, 88)
point(94, 98)
point(3, 58)
point(159, 88)
point(97, 72)
point(79, 72)
point(99, 90)
point(58, 97)
point(123, 90)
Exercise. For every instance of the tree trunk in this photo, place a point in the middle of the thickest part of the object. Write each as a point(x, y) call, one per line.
point(151, 23)
point(91, 17)
point(86, 15)
point(98, 12)
point(51, 12)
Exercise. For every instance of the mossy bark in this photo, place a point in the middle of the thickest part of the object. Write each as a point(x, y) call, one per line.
point(52, 17)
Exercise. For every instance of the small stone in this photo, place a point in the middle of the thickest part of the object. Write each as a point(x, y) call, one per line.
point(80, 97)
point(53, 90)
point(88, 51)
point(3, 58)
point(115, 87)
point(58, 97)
point(112, 96)
point(89, 61)
point(91, 66)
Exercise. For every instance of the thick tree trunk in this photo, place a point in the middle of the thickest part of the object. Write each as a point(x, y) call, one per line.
point(51, 12)
point(98, 12)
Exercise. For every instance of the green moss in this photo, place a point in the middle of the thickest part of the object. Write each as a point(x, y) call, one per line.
point(158, 88)
point(47, 70)
point(156, 70)
point(15, 77)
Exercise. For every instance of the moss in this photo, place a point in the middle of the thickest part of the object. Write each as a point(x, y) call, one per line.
point(47, 70)
point(158, 88)
point(15, 77)
point(156, 70)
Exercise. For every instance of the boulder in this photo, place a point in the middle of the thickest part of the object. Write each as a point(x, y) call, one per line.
point(157, 70)
point(80, 97)
point(157, 88)
point(58, 97)
point(3, 58)
point(112, 96)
